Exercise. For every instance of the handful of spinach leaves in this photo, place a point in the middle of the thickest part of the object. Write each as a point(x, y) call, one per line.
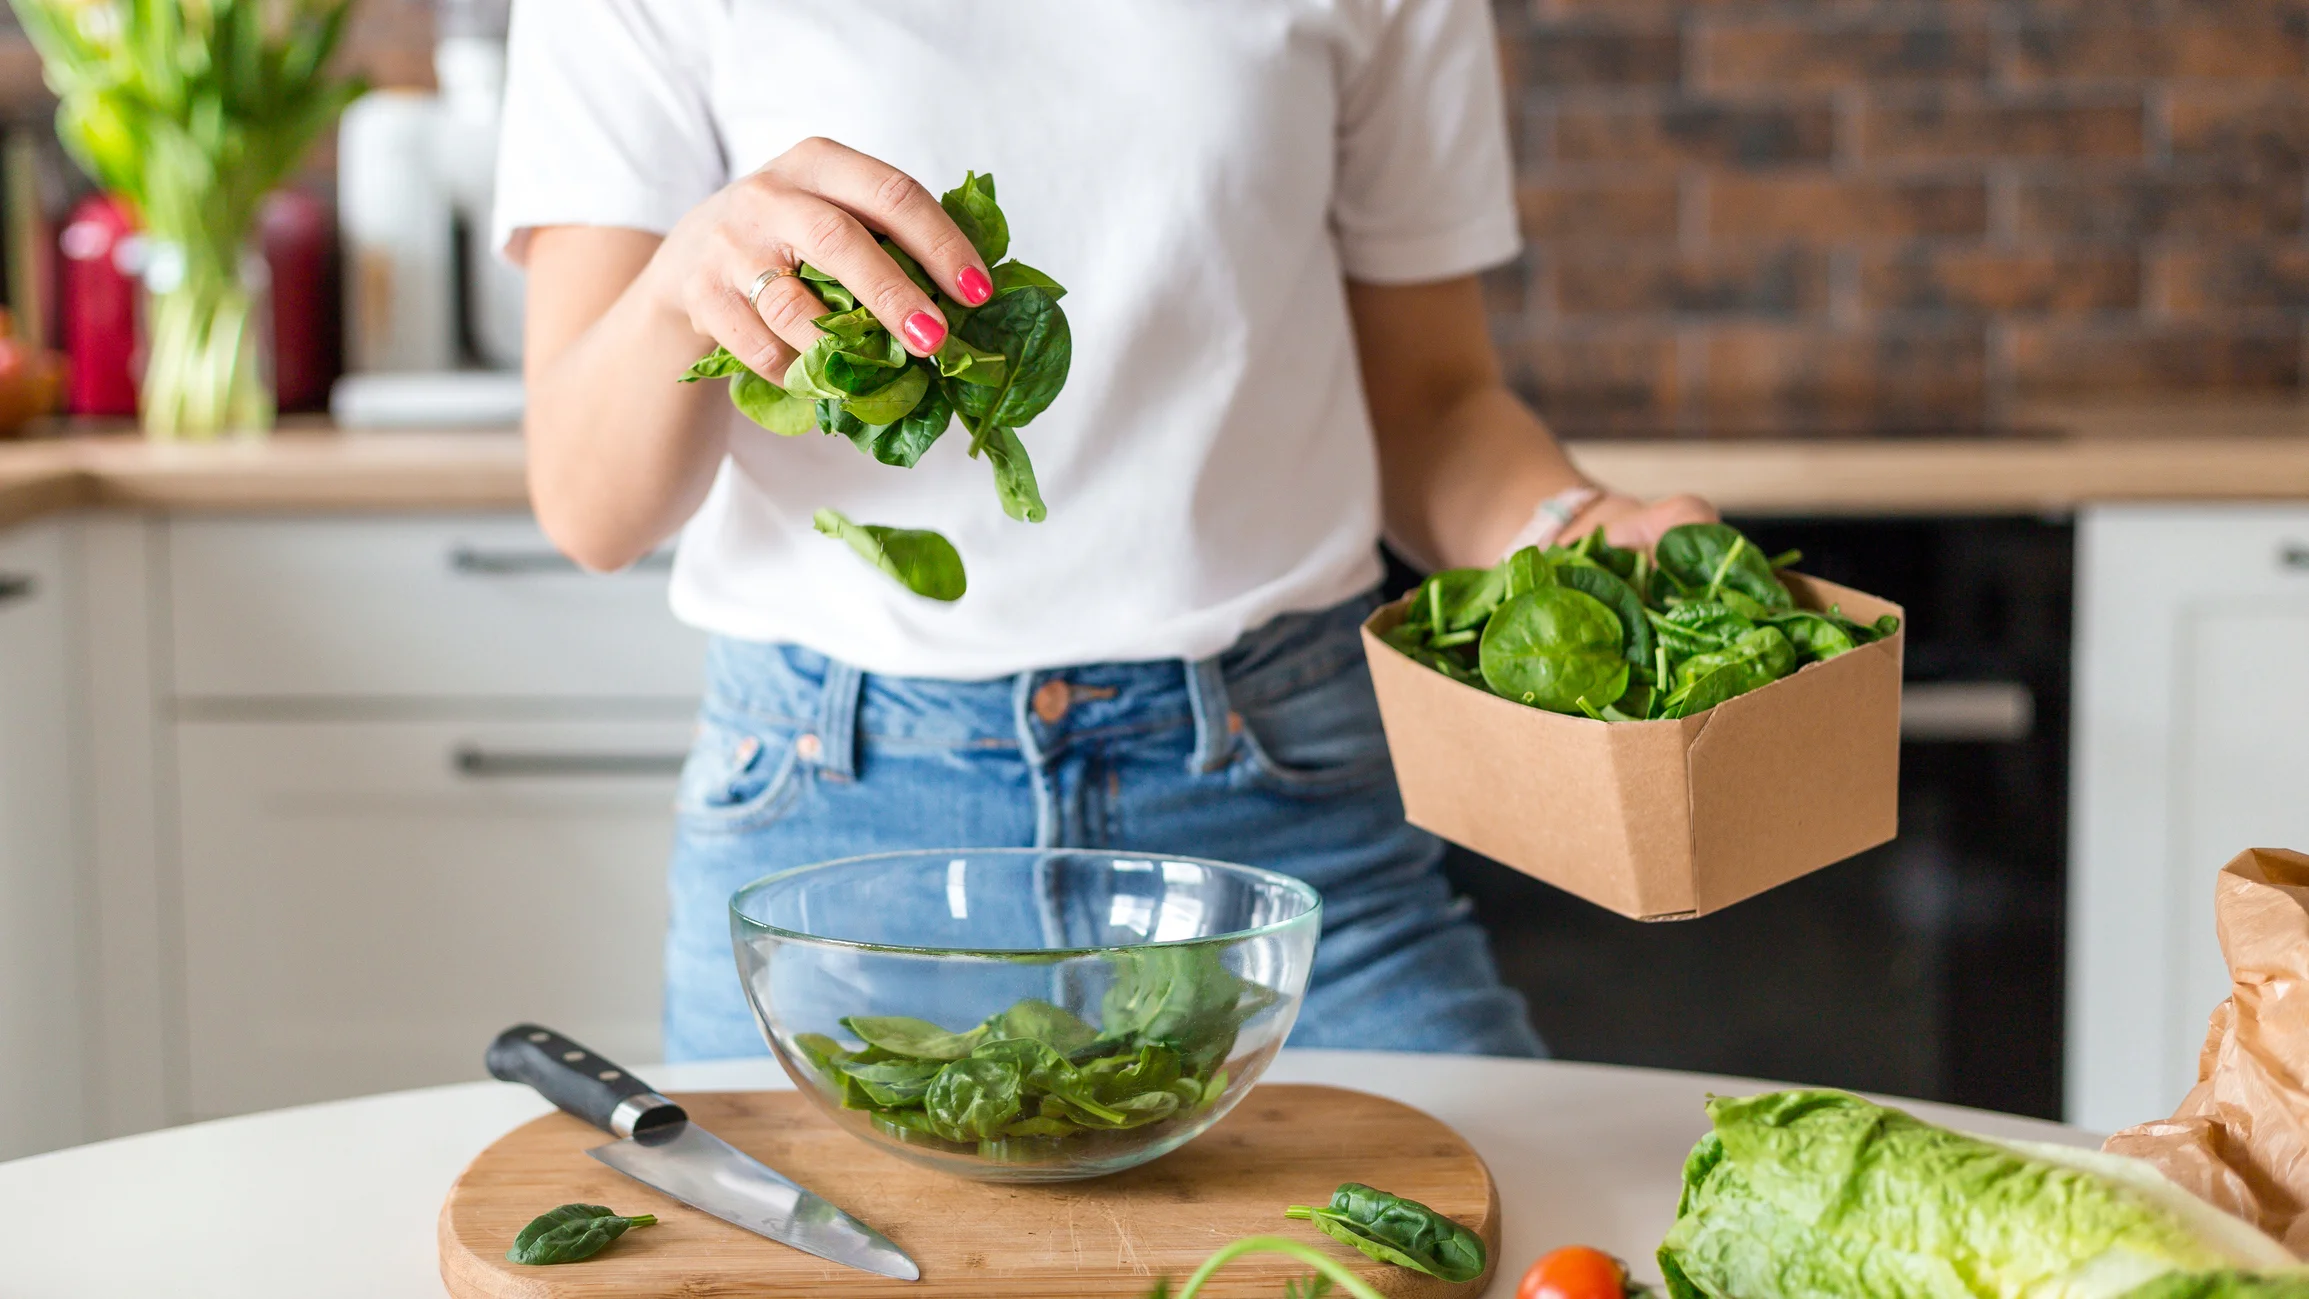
point(1003, 363)
point(1018, 1086)
point(1593, 630)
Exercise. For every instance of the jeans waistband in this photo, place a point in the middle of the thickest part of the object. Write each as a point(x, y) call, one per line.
point(1039, 711)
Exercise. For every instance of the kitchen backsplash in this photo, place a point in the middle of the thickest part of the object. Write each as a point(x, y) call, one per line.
point(1835, 214)
point(1857, 215)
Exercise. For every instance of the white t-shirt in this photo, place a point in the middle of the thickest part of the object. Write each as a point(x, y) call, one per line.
point(1201, 175)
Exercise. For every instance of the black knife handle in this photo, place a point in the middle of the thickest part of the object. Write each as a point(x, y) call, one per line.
point(583, 1082)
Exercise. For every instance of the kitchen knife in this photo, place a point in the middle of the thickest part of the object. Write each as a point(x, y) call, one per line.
point(659, 1147)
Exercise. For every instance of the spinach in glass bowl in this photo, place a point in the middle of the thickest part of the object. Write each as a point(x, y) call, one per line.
point(1026, 1014)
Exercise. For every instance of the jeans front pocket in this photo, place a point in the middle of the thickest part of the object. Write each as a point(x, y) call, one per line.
point(1321, 738)
point(738, 777)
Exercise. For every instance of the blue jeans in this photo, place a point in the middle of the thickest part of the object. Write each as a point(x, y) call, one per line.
point(1270, 754)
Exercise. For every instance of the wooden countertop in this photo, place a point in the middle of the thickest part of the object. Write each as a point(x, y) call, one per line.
point(2189, 452)
point(289, 471)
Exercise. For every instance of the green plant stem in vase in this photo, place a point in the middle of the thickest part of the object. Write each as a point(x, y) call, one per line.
point(194, 110)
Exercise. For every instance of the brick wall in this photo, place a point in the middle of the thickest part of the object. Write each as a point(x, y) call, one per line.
point(1821, 215)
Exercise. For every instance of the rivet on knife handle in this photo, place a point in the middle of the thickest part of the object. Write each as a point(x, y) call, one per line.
point(583, 1082)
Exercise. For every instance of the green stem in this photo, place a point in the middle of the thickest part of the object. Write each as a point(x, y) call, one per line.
point(1724, 569)
point(641, 1220)
point(1314, 1258)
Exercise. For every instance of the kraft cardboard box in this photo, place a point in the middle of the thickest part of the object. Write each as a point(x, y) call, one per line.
point(1658, 820)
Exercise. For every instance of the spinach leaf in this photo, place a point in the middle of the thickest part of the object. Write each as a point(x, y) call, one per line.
point(894, 1084)
point(720, 363)
point(1617, 596)
point(973, 1099)
point(1527, 569)
point(958, 360)
point(1817, 637)
point(1758, 658)
point(1013, 475)
point(900, 444)
point(905, 1035)
point(571, 1234)
point(1394, 1230)
point(972, 206)
point(1713, 556)
point(1552, 648)
point(1030, 331)
point(1018, 275)
point(1183, 997)
point(768, 405)
point(756, 398)
point(922, 561)
point(1056, 1027)
point(893, 401)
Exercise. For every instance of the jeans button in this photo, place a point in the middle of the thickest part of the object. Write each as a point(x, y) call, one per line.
point(1051, 700)
point(807, 748)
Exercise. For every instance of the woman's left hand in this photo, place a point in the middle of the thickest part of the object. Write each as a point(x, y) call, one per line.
point(1637, 524)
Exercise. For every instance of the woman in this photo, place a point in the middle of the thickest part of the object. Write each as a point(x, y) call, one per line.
point(1268, 214)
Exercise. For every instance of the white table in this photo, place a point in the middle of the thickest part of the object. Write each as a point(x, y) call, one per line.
point(260, 1206)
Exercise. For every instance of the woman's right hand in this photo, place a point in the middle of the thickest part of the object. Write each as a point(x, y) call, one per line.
point(821, 203)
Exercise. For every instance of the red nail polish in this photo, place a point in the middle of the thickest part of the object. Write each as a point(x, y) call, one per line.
point(925, 331)
point(976, 288)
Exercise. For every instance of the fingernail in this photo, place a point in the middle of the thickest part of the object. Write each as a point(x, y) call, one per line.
point(925, 331)
point(976, 288)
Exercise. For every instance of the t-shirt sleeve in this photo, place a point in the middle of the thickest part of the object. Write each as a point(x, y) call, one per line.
point(1425, 188)
point(607, 118)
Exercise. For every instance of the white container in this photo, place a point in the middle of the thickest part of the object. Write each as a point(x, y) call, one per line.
point(394, 213)
point(471, 73)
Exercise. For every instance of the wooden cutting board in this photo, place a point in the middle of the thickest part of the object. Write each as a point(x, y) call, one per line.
point(1107, 1238)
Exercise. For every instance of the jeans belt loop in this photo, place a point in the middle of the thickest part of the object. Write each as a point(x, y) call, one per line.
point(838, 720)
point(1214, 728)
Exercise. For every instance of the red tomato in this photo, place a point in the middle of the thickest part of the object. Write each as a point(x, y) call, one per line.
point(1575, 1272)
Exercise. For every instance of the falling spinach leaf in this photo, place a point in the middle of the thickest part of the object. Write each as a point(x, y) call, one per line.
point(922, 561)
point(571, 1234)
point(1394, 1230)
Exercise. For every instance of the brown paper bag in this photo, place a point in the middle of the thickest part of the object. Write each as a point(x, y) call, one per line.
point(2241, 1138)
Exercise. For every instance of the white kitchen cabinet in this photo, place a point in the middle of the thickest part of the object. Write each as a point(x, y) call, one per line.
point(413, 607)
point(43, 1043)
point(2191, 743)
point(367, 902)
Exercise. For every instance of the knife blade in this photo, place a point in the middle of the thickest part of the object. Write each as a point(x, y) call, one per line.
point(660, 1147)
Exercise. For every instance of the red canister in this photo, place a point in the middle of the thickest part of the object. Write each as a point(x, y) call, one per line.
point(99, 308)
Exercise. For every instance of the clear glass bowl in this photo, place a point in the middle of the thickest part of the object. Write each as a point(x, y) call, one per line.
point(1025, 1015)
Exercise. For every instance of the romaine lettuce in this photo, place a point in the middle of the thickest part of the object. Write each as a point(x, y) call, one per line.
point(1823, 1195)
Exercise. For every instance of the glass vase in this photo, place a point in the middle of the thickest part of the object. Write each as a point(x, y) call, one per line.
point(207, 343)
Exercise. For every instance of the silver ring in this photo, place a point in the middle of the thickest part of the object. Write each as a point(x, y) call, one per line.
point(763, 281)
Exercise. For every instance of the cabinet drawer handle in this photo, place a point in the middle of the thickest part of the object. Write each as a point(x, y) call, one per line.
point(16, 586)
point(482, 764)
point(1991, 712)
point(479, 562)
point(2293, 555)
